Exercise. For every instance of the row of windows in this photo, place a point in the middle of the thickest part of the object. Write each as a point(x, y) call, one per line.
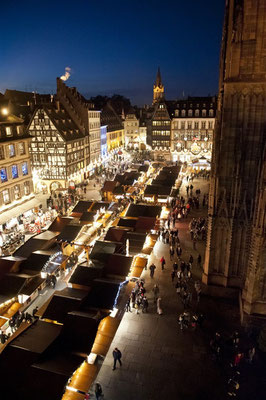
point(193, 125)
point(131, 124)
point(160, 143)
point(17, 191)
point(11, 130)
point(160, 133)
point(13, 171)
point(192, 136)
point(12, 150)
point(184, 105)
point(196, 113)
point(161, 123)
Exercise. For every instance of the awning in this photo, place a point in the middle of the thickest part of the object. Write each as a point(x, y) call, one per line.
point(18, 210)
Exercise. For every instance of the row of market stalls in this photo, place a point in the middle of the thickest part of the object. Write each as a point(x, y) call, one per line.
point(78, 323)
point(164, 186)
point(116, 259)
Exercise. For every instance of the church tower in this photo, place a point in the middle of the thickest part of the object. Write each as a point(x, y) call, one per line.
point(158, 88)
point(235, 251)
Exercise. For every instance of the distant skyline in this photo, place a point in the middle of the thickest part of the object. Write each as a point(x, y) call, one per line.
point(112, 46)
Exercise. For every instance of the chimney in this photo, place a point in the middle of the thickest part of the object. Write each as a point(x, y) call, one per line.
point(57, 105)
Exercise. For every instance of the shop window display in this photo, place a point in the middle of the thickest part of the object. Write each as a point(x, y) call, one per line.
point(17, 192)
point(25, 168)
point(14, 171)
point(26, 188)
point(6, 196)
point(3, 175)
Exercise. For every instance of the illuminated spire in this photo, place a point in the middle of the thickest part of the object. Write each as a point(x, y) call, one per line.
point(158, 81)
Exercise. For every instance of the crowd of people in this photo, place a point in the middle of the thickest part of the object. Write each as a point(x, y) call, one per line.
point(138, 300)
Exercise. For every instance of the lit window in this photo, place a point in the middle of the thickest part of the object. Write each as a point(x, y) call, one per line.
point(203, 125)
point(8, 131)
point(17, 192)
point(26, 188)
point(2, 153)
point(14, 170)
point(183, 113)
point(11, 150)
point(211, 113)
point(196, 125)
point(6, 197)
point(204, 113)
point(3, 175)
point(196, 113)
point(21, 148)
point(176, 113)
point(25, 168)
point(190, 113)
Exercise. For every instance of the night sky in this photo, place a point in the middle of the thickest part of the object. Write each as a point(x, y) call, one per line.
point(112, 46)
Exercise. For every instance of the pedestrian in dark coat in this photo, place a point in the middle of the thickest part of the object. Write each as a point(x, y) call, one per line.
point(152, 269)
point(117, 357)
point(162, 261)
point(173, 275)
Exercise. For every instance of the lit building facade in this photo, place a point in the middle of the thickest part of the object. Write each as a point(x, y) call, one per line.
point(159, 131)
point(131, 127)
point(115, 128)
point(57, 148)
point(16, 184)
point(94, 136)
point(192, 129)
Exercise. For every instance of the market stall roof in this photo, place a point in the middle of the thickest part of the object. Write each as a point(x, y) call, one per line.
point(31, 285)
point(102, 250)
point(127, 222)
point(115, 234)
point(34, 262)
point(79, 331)
point(59, 223)
point(82, 206)
point(87, 217)
point(69, 233)
point(109, 186)
point(85, 275)
point(142, 210)
point(144, 168)
point(119, 190)
point(7, 264)
point(60, 305)
point(102, 295)
point(136, 241)
point(157, 190)
point(118, 264)
point(46, 235)
point(145, 224)
point(174, 192)
point(32, 245)
point(11, 285)
point(38, 337)
point(100, 204)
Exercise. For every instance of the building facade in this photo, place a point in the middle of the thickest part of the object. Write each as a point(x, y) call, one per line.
point(115, 129)
point(192, 129)
point(57, 148)
point(159, 131)
point(131, 129)
point(235, 252)
point(15, 167)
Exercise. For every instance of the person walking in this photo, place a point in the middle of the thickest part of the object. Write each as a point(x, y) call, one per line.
point(173, 275)
point(159, 309)
point(145, 304)
point(152, 268)
point(98, 391)
point(199, 261)
point(117, 355)
point(156, 291)
point(162, 261)
point(172, 252)
point(128, 308)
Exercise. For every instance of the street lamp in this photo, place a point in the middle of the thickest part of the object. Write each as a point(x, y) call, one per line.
point(4, 111)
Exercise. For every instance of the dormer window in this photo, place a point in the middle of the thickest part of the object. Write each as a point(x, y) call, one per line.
point(183, 113)
point(204, 113)
point(196, 113)
point(177, 113)
point(190, 113)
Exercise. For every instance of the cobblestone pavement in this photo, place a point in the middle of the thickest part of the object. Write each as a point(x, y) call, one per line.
point(159, 360)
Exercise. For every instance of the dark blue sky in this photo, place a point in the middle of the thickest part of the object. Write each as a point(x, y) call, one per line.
point(112, 46)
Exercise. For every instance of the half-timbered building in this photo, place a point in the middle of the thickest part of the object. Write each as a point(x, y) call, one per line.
point(57, 148)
